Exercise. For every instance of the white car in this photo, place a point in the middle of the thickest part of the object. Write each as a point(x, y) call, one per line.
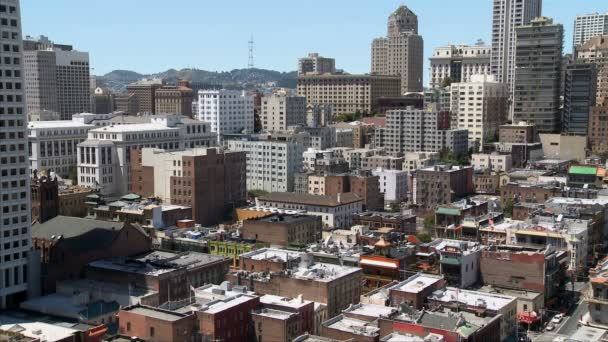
point(550, 327)
point(557, 318)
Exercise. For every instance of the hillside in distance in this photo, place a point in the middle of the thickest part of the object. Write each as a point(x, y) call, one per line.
point(117, 80)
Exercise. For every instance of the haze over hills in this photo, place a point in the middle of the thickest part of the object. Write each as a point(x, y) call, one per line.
point(117, 80)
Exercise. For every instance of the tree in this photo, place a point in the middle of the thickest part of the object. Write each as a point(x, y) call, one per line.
point(424, 237)
point(348, 117)
point(429, 222)
point(395, 207)
point(256, 193)
point(508, 205)
point(73, 175)
point(446, 82)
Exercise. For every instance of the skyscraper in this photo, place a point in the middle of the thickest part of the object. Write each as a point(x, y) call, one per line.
point(536, 82)
point(595, 51)
point(400, 52)
point(588, 26)
point(506, 16)
point(15, 237)
point(579, 97)
point(459, 63)
point(56, 78)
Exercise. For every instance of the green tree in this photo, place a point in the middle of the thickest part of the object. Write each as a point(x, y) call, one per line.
point(446, 82)
point(507, 206)
point(256, 193)
point(73, 175)
point(429, 222)
point(424, 237)
point(395, 207)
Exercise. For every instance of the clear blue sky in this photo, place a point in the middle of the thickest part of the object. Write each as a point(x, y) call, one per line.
point(152, 35)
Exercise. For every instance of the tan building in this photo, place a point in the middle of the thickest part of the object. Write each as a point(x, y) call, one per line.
point(126, 103)
point(400, 52)
point(174, 99)
point(283, 230)
point(145, 91)
point(72, 200)
point(520, 133)
point(595, 50)
point(362, 133)
point(348, 93)
point(280, 111)
point(598, 127)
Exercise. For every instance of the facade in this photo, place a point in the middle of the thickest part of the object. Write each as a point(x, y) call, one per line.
point(318, 115)
point(15, 178)
point(563, 146)
point(103, 101)
point(519, 133)
point(229, 318)
point(212, 182)
point(227, 111)
point(337, 89)
point(175, 99)
point(53, 144)
point(154, 324)
point(414, 130)
point(595, 297)
point(45, 198)
point(280, 111)
point(104, 158)
point(480, 106)
point(415, 290)
point(416, 160)
point(579, 97)
point(393, 185)
point(458, 63)
point(588, 26)
point(270, 164)
point(595, 51)
point(598, 127)
point(144, 92)
point(507, 15)
point(494, 162)
point(440, 184)
point(283, 230)
point(56, 79)
point(400, 52)
point(127, 103)
point(534, 63)
point(315, 64)
point(384, 162)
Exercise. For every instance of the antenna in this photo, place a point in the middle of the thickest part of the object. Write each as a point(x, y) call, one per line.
point(250, 62)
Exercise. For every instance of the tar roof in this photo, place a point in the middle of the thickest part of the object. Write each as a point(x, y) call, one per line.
point(321, 200)
point(164, 315)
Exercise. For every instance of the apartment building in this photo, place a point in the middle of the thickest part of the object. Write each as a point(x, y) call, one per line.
point(587, 26)
point(393, 185)
point(598, 127)
point(174, 99)
point(347, 93)
point(280, 111)
point(315, 64)
point(144, 92)
point(400, 52)
point(319, 115)
point(56, 78)
point(104, 158)
point(227, 111)
point(441, 184)
point(271, 164)
point(283, 230)
point(458, 63)
point(595, 51)
point(494, 162)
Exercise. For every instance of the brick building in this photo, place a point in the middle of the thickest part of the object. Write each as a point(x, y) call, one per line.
point(520, 133)
point(283, 230)
point(144, 92)
point(529, 192)
point(415, 290)
point(275, 325)
point(269, 260)
point(45, 201)
point(68, 244)
point(303, 309)
point(174, 99)
point(598, 127)
point(209, 181)
point(363, 184)
point(156, 325)
point(228, 319)
point(375, 220)
point(441, 184)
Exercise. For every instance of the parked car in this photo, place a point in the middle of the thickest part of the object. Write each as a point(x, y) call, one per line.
point(557, 318)
point(550, 327)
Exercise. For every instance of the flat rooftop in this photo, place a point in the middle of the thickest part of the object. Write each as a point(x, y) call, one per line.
point(276, 314)
point(163, 315)
point(221, 305)
point(211, 292)
point(510, 292)
point(472, 298)
point(44, 331)
point(308, 199)
point(283, 301)
point(57, 124)
point(371, 310)
point(417, 283)
point(324, 272)
point(272, 254)
point(352, 325)
point(284, 218)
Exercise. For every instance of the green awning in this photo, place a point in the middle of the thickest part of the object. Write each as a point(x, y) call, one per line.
point(448, 211)
point(583, 170)
point(450, 261)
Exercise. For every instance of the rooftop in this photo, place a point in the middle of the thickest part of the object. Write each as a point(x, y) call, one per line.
point(510, 292)
point(417, 283)
point(272, 254)
point(283, 301)
point(470, 298)
point(225, 304)
point(211, 292)
point(155, 313)
point(57, 124)
point(141, 127)
point(307, 199)
point(324, 272)
point(276, 314)
point(352, 325)
point(44, 331)
point(370, 310)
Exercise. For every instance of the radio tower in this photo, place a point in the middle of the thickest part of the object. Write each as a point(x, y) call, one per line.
point(250, 62)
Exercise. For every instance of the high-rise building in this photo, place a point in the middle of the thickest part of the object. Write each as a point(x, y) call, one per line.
point(595, 51)
point(15, 235)
point(536, 82)
point(348, 93)
point(227, 111)
point(506, 16)
point(414, 130)
point(579, 97)
point(174, 99)
point(588, 26)
point(598, 127)
point(145, 91)
point(316, 64)
point(458, 63)
point(280, 110)
point(103, 101)
point(56, 78)
point(400, 52)
point(480, 106)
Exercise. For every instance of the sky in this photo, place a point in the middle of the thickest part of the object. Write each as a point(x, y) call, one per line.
point(150, 36)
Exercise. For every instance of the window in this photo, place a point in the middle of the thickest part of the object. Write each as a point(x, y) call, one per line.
point(151, 331)
point(128, 326)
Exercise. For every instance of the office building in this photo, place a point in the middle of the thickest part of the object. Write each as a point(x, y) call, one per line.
point(210, 181)
point(127, 103)
point(15, 179)
point(174, 99)
point(104, 158)
point(227, 111)
point(415, 130)
point(103, 101)
point(56, 78)
point(283, 230)
point(338, 90)
point(587, 26)
point(280, 111)
point(400, 52)
point(271, 164)
point(458, 63)
point(145, 91)
point(536, 78)
point(595, 51)
point(579, 97)
point(315, 64)
point(507, 15)
point(479, 106)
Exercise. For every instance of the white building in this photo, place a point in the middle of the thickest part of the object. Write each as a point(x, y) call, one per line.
point(227, 111)
point(52, 144)
point(280, 111)
point(271, 164)
point(417, 160)
point(393, 184)
point(491, 161)
point(587, 26)
point(104, 158)
point(459, 63)
point(335, 211)
point(15, 226)
point(354, 157)
point(479, 106)
point(319, 115)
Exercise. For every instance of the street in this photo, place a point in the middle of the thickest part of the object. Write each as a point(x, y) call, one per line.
point(570, 324)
